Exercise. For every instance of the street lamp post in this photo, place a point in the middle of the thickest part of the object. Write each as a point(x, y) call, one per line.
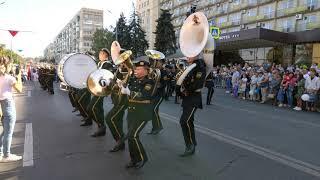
point(116, 23)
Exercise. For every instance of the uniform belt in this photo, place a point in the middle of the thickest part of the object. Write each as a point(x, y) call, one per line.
point(140, 102)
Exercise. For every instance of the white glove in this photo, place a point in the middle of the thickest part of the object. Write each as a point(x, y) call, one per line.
point(125, 90)
point(119, 82)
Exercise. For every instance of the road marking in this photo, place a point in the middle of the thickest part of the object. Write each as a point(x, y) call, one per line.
point(316, 125)
point(28, 146)
point(29, 93)
point(278, 157)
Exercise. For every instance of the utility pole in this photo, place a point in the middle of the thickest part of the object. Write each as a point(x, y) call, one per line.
point(116, 23)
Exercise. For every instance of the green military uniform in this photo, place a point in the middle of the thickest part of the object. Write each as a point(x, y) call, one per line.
point(191, 101)
point(95, 107)
point(72, 98)
point(49, 79)
point(159, 92)
point(41, 78)
point(139, 113)
point(82, 100)
point(114, 118)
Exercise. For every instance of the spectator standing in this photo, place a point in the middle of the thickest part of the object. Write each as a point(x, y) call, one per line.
point(7, 82)
point(300, 91)
point(312, 86)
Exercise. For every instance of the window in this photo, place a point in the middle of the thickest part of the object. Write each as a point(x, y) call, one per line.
point(236, 2)
point(252, 12)
point(267, 25)
point(222, 20)
point(286, 4)
point(311, 2)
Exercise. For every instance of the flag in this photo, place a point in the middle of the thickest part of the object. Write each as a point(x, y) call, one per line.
point(13, 33)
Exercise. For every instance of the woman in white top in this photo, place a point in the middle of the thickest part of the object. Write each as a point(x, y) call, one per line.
point(7, 82)
point(312, 86)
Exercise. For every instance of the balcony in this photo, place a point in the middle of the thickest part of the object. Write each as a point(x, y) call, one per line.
point(289, 11)
point(235, 22)
point(224, 24)
point(308, 26)
point(248, 19)
point(285, 28)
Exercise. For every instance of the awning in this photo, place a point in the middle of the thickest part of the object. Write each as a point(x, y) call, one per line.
point(260, 37)
point(253, 38)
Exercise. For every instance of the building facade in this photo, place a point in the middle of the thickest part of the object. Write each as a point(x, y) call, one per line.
point(148, 11)
point(77, 35)
point(236, 16)
point(48, 53)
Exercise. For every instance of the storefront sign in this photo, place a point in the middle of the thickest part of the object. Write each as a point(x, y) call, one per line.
point(229, 36)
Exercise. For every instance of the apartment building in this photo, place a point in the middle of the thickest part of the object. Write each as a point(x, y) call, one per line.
point(77, 35)
point(148, 11)
point(253, 27)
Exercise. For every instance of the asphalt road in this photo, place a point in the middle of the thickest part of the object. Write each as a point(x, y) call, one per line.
point(237, 140)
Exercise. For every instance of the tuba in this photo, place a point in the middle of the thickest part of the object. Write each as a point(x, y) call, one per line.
point(194, 39)
point(122, 59)
point(155, 72)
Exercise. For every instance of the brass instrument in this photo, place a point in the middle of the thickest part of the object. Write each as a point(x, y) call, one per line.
point(125, 60)
point(155, 72)
point(97, 82)
point(194, 39)
point(180, 70)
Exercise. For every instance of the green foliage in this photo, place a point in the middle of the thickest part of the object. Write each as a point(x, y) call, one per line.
point(165, 35)
point(123, 32)
point(8, 53)
point(102, 38)
point(275, 55)
point(138, 43)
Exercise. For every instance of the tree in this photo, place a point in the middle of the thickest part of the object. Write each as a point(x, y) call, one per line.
point(16, 58)
point(138, 43)
point(275, 55)
point(165, 34)
point(122, 32)
point(102, 38)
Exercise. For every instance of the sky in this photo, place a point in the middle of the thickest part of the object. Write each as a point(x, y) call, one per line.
point(43, 20)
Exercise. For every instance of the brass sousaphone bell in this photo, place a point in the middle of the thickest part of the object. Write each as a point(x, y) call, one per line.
point(194, 39)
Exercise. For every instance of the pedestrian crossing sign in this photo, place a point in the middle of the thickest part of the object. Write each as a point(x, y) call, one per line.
point(215, 32)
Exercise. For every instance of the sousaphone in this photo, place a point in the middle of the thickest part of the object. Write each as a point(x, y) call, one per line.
point(194, 39)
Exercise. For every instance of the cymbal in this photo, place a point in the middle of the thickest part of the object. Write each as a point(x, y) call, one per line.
point(94, 79)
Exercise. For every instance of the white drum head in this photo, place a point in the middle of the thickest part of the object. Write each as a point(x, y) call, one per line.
point(76, 68)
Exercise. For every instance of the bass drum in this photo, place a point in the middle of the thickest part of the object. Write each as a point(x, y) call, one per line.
point(74, 69)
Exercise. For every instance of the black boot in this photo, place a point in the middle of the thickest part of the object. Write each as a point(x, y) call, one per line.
point(118, 147)
point(131, 165)
point(101, 132)
point(190, 150)
point(155, 131)
point(87, 122)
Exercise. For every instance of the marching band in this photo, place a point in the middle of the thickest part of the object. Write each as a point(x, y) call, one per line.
point(136, 86)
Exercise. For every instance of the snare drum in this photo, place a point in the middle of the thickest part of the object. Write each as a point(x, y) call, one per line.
point(75, 68)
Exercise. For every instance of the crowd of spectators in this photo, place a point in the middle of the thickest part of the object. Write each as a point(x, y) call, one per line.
point(293, 86)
